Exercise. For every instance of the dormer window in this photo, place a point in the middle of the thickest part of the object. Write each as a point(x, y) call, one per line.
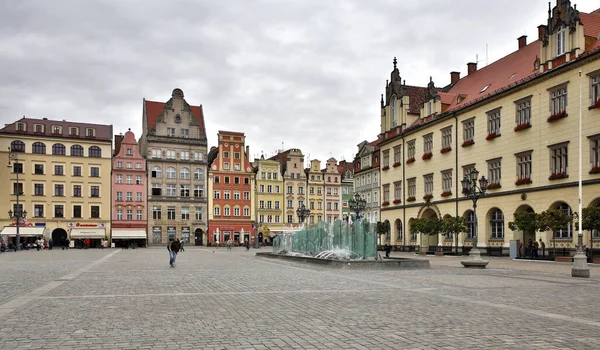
point(129, 152)
point(90, 132)
point(177, 119)
point(485, 88)
point(21, 127)
point(430, 108)
point(56, 129)
point(560, 41)
point(74, 131)
point(39, 128)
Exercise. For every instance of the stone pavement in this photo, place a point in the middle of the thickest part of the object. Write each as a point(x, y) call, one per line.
point(132, 299)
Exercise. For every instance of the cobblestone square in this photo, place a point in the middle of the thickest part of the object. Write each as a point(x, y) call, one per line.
point(132, 299)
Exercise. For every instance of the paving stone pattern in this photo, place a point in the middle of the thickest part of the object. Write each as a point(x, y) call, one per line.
point(132, 299)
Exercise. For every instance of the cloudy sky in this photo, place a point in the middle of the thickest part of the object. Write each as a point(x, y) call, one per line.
point(306, 74)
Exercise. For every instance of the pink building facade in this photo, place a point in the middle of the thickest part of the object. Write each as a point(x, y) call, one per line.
point(129, 204)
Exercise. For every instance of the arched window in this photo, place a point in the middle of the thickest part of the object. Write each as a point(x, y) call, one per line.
point(156, 172)
point(38, 148)
point(394, 112)
point(171, 173)
point(17, 146)
point(94, 152)
point(567, 231)
point(58, 149)
point(185, 174)
point(198, 174)
point(470, 225)
point(497, 224)
point(399, 230)
point(76, 151)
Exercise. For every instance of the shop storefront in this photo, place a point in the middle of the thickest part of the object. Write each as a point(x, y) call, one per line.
point(87, 235)
point(129, 237)
point(27, 234)
point(185, 234)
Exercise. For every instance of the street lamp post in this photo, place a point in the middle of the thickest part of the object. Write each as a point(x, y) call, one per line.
point(17, 215)
point(474, 189)
point(302, 213)
point(357, 204)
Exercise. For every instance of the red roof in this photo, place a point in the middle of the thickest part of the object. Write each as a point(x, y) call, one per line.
point(416, 96)
point(446, 98)
point(154, 109)
point(591, 23)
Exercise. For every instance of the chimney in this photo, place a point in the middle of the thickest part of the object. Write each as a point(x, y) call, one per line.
point(471, 68)
point(522, 41)
point(247, 151)
point(541, 32)
point(454, 77)
point(118, 140)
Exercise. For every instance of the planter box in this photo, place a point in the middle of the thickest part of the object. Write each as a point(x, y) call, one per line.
point(596, 261)
point(563, 259)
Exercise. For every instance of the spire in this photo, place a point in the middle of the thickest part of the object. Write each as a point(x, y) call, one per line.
point(395, 62)
point(382, 105)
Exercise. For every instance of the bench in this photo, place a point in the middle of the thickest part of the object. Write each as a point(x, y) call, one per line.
point(563, 259)
point(443, 250)
point(494, 251)
point(596, 261)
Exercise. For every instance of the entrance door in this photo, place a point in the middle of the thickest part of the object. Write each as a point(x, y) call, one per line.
point(198, 236)
point(59, 236)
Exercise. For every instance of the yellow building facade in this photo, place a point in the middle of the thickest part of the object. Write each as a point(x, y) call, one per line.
point(517, 122)
point(64, 180)
point(270, 198)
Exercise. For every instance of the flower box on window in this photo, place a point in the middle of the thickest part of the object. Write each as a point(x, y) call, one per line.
point(596, 104)
point(446, 150)
point(427, 156)
point(427, 197)
point(468, 143)
point(387, 167)
point(397, 164)
point(494, 186)
point(556, 176)
point(411, 199)
point(523, 181)
point(385, 204)
point(557, 116)
point(522, 127)
point(595, 170)
point(396, 201)
point(492, 136)
point(410, 160)
point(446, 193)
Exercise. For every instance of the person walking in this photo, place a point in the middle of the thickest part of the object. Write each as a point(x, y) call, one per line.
point(542, 246)
point(388, 249)
point(50, 244)
point(181, 242)
point(229, 243)
point(247, 244)
point(173, 249)
point(535, 249)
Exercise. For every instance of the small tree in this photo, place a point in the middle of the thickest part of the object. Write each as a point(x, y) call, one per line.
point(525, 221)
point(383, 228)
point(454, 225)
point(591, 222)
point(553, 220)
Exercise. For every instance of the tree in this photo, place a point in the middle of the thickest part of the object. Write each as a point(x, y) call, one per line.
point(454, 225)
point(383, 227)
point(553, 220)
point(425, 226)
point(591, 222)
point(525, 221)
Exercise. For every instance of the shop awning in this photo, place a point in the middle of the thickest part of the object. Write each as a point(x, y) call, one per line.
point(24, 231)
point(92, 233)
point(128, 233)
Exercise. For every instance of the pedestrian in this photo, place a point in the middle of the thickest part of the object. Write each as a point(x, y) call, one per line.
point(388, 249)
point(50, 244)
point(247, 245)
point(229, 243)
point(182, 250)
point(543, 247)
point(173, 249)
point(530, 247)
point(67, 243)
point(535, 249)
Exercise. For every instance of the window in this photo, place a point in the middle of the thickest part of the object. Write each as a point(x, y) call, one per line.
point(397, 190)
point(386, 158)
point(225, 154)
point(73, 131)
point(246, 196)
point(184, 190)
point(226, 194)
point(76, 190)
point(76, 170)
point(156, 154)
point(184, 155)
point(269, 189)
point(38, 211)
point(138, 165)
point(226, 166)
point(39, 128)
point(171, 173)
point(558, 100)
point(261, 205)
point(236, 155)
point(119, 214)
point(447, 137)
point(198, 191)
point(523, 111)
point(246, 181)
point(138, 215)
point(59, 211)
point(18, 188)
point(198, 156)
point(494, 171)
point(156, 172)
point(428, 184)
point(119, 178)
point(129, 152)
point(246, 211)
point(560, 41)
point(156, 212)
point(171, 213)
point(411, 149)
point(428, 143)
point(171, 154)
point(18, 168)
point(394, 111)
point(217, 211)
point(171, 132)
point(59, 190)
point(497, 224)
point(95, 212)
point(58, 149)
point(470, 224)
point(119, 196)
point(494, 122)
point(185, 174)
point(156, 189)
point(38, 189)
point(94, 152)
point(558, 160)
point(38, 148)
point(76, 151)
point(38, 169)
point(198, 174)
point(21, 126)
point(595, 88)
point(289, 190)
point(185, 213)
point(217, 194)
point(138, 196)
point(226, 211)
point(129, 165)
point(198, 213)
point(17, 146)
point(138, 179)
point(236, 211)
point(94, 172)
point(386, 193)
point(217, 179)
point(467, 169)
point(447, 181)
point(95, 191)
point(468, 130)
point(59, 170)
point(524, 165)
point(77, 211)
point(89, 132)
point(129, 196)
point(236, 195)
point(171, 190)
point(595, 151)
point(412, 187)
